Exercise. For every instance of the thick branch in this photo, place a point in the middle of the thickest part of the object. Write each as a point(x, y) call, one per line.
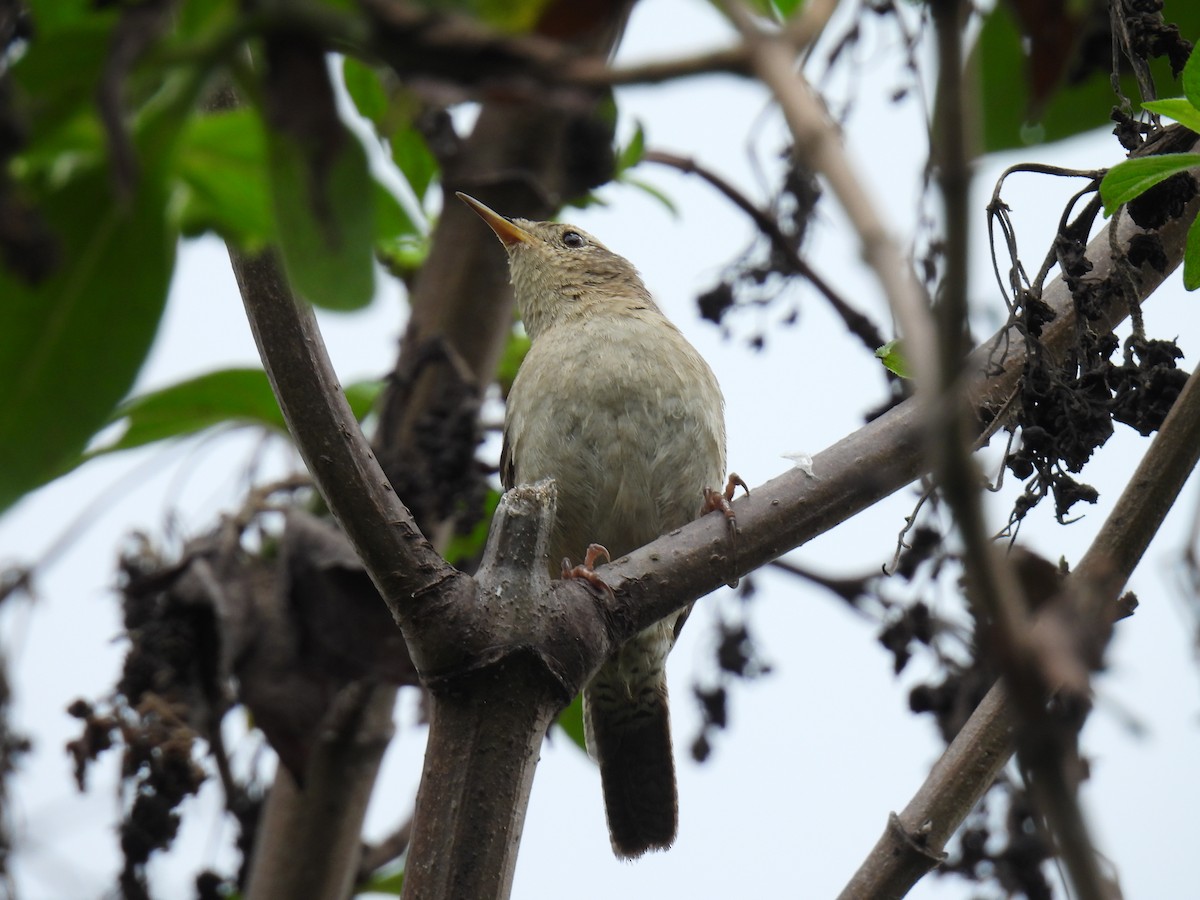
point(487, 725)
point(401, 562)
point(985, 744)
point(862, 468)
point(328, 810)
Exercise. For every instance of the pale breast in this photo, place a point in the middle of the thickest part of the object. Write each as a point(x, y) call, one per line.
point(627, 417)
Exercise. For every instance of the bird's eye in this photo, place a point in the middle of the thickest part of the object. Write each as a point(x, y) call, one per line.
point(573, 239)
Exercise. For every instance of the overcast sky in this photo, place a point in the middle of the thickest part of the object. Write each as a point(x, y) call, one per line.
point(820, 750)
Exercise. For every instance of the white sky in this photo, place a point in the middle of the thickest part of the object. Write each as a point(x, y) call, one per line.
point(822, 749)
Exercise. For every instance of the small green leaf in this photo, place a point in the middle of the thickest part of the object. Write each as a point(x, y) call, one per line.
point(392, 221)
point(365, 89)
point(223, 167)
point(1191, 256)
point(241, 396)
point(654, 192)
point(464, 547)
point(514, 354)
point(631, 154)
point(570, 720)
point(224, 397)
point(361, 395)
point(1191, 78)
point(383, 883)
point(1178, 108)
point(51, 16)
point(325, 215)
point(891, 355)
point(414, 159)
point(1133, 177)
point(52, 93)
point(787, 7)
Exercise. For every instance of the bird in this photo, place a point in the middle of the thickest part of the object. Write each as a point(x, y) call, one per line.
point(614, 404)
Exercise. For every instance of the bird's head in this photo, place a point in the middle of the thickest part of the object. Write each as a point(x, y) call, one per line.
point(560, 272)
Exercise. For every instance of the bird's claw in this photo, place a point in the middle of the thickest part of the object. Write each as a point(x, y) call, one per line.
point(587, 571)
point(720, 500)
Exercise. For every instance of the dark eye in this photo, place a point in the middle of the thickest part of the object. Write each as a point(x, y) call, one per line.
point(573, 239)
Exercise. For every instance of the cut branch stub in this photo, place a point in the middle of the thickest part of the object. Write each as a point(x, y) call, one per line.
point(517, 610)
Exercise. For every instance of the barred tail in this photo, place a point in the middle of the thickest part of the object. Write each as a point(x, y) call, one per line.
point(631, 740)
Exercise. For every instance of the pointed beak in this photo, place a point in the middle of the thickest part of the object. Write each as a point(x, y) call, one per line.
point(510, 233)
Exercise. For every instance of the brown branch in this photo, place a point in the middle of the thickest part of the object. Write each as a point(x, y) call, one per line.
point(327, 811)
point(999, 604)
point(817, 143)
point(415, 40)
point(403, 565)
point(468, 643)
point(913, 841)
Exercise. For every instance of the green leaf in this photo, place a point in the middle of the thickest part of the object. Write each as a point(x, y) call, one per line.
point(1133, 177)
point(510, 361)
point(383, 883)
point(892, 356)
point(392, 221)
point(201, 17)
point(363, 85)
point(224, 397)
point(654, 192)
point(72, 344)
point(1076, 107)
point(1178, 108)
point(1191, 79)
point(51, 16)
point(404, 256)
point(513, 16)
point(361, 395)
point(223, 168)
point(464, 547)
point(631, 154)
point(52, 93)
point(570, 720)
point(1191, 257)
point(325, 215)
point(227, 396)
point(414, 159)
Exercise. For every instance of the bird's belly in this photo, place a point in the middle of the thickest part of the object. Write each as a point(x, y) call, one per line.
point(621, 483)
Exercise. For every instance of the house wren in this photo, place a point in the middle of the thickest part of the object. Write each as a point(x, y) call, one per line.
point(615, 405)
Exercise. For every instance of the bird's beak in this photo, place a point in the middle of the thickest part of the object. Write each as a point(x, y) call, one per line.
point(509, 232)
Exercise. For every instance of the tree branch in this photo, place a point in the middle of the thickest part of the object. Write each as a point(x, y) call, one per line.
point(858, 324)
point(403, 565)
point(327, 811)
point(817, 143)
point(913, 841)
point(573, 629)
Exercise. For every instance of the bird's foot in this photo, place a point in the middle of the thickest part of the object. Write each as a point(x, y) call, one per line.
point(714, 499)
point(587, 571)
point(721, 500)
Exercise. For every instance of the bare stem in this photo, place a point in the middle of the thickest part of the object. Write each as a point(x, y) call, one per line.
point(817, 143)
point(856, 322)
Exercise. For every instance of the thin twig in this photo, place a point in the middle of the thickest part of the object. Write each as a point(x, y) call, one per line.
point(858, 324)
point(817, 142)
point(996, 595)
